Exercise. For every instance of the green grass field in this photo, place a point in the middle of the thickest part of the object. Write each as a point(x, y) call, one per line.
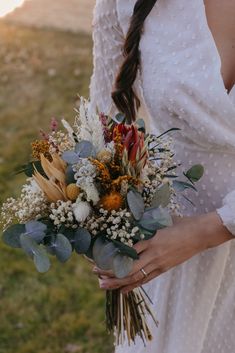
point(41, 72)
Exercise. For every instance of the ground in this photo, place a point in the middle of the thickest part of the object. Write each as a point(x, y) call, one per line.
point(74, 15)
point(41, 72)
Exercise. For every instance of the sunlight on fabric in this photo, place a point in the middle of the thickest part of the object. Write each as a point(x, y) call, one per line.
point(7, 6)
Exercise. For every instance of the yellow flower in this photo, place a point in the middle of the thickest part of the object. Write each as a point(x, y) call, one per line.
point(40, 147)
point(72, 191)
point(54, 187)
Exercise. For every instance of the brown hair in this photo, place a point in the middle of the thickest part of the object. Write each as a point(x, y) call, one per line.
point(123, 95)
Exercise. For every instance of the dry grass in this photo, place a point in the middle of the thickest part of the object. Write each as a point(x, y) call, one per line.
point(62, 311)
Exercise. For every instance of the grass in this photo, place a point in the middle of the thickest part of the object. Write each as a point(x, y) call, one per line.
point(41, 72)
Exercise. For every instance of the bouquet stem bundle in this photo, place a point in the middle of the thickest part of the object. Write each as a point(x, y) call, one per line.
point(126, 315)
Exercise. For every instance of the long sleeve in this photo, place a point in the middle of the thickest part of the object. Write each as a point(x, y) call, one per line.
point(108, 41)
point(227, 212)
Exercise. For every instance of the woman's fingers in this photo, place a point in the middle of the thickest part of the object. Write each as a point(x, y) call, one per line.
point(152, 275)
point(139, 276)
point(101, 273)
point(141, 246)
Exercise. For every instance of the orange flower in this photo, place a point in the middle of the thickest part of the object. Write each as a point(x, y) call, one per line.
point(113, 201)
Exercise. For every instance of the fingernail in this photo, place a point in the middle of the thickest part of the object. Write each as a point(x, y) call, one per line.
point(102, 284)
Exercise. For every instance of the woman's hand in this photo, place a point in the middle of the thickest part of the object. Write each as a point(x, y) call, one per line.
point(169, 248)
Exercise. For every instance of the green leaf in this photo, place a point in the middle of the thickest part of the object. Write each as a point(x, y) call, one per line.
point(36, 252)
point(29, 169)
point(69, 175)
point(124, 249)
point(63, 248)
point(122, 265)
point(103, 253)
point(36, 230)
point(162, 196)
point(168, 131)
point(28, 244)
point(195, 173)
point(136, 204)
point(85, 149)
point(148, 234)
point(156, 218)
point(141, 125)
point(41, 260)
point(82, 240)
point(180, 186)
point(11, 236)
point(119, 118)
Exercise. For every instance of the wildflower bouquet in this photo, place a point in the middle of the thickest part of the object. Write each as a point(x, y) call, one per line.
point(98, 188)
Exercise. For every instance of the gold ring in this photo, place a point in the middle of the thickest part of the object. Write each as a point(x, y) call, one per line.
point(144, 273)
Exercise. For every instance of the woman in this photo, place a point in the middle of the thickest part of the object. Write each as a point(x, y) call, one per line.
point(178, 63)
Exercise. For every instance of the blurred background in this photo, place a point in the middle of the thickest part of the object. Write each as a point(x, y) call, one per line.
point(45, 61)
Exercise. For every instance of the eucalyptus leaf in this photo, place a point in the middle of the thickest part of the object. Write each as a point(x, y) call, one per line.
point(148, 234)
point(119, 118)
point(62, 247)
point(29, 245)
point(85, 149)
point(122, 265)
point(126, 250)
point(195, 173)
point(41, 260)
point(70, 157)
point(162, 196)
point(104, 252)
point(141, 125)
point(136, 204)
point(156, 218)
point(11, 236)
point(36, 230)
point(82, 240)
point(180, 186)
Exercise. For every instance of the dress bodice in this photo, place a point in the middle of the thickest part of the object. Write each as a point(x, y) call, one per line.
point(181, 74)
point(180, 84)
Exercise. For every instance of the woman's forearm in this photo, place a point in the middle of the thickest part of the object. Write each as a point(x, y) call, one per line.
point(210, 229)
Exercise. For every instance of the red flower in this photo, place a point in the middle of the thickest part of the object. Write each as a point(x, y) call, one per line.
point(135, 145)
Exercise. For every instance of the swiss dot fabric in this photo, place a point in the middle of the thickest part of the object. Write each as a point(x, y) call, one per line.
point(180, 85)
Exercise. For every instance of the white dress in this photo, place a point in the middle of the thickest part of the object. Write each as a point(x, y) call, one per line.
point(180, 84)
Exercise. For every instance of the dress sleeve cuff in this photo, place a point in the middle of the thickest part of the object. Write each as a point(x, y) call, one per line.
point(227, 212)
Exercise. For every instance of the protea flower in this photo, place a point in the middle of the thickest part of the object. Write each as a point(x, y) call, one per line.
point(135, 149)
point(54, 187)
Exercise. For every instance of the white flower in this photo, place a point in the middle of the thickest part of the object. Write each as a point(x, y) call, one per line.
point(89, 125)
point(68, 128)
point(81, 211)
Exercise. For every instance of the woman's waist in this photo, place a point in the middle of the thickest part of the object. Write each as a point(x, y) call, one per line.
point(218, 179)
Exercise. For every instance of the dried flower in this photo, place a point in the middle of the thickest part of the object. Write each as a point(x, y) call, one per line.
point(113, 201)
point(81, 210)
point(40, 147)
point(72, 192)
point(54, 187)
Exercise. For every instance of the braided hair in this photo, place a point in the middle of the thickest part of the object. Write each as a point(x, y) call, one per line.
point(123, 95)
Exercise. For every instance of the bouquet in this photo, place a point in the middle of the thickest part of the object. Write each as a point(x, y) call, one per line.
point(98, 188)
